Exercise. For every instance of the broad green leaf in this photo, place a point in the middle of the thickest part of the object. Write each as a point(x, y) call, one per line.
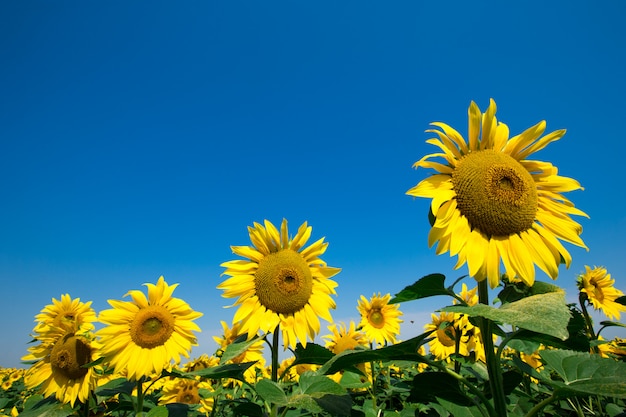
point(460, 410)
point(231, 370)
point(239, 346)
point(612, 324)
point(319, 385)
point(335, 405)
point(52, 409)
point(584, 374)
point(406, 350)
point(312, 354)
point(249, 410)
point(431, 386)
point(542, 313)
point(577, 339)
point(427, 286)
point(160, 411)
point(621, 300)
point(518, 290)
point(3, 402)
point(271, 392)
point(116, 386)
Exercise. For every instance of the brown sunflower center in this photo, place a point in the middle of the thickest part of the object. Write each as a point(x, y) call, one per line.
point(283, 282)
point(446, 334)
point(376, 318)
point(69, 355)
point(496, 194)
point(152, 326)
point(188, 393)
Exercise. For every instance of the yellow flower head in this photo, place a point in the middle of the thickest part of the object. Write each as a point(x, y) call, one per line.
point(492, 205)
point(59, 367)
point(601, 293)
point(449, 330)
point(379, 319)
point(280, 283)
point(254, 353)
point(187, 391)
point(66, 315)
point(342, 338)
point(144, 335)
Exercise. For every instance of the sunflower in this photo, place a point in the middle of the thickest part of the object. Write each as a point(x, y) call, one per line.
point(68, 314)
point(491, 204)
point(254, 353)
point(187, 391)
point(59, 367)
point(598, 286)
point(379, 319)
point(280, 283)
point(344, 338)
point(449, 329)
point(144, 335)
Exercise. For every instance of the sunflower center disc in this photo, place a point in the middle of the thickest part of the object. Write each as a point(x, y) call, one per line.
point(446, 335)
point(188, 394)
point(377, 319)
point(68, 356)
point(152, 327)
point(283, 282)
point(496, 194)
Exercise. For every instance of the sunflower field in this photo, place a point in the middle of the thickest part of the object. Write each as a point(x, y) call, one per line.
point(502, 343)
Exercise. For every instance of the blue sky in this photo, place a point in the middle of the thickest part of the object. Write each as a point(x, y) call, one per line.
point(141, 139)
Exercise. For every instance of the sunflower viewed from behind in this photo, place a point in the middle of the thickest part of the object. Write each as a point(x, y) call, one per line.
point(493, 205)
point(144, 335)
point(280, 283)
point(599, 290)
point(379, 319)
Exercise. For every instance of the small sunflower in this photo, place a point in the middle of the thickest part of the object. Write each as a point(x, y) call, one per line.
point(491, 204)
point(449, 329)
point(60, 366)
point(280, 283)
point(344, 338)
point(68, 314)
point(144, 335)
point(253, 354)
point(379, 319)
point(599, 288)
point(187, 391)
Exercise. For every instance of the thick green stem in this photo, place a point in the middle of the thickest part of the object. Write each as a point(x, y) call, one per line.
point(275, 335)
point(538, 407)
point(493, 361)
point(139, 397)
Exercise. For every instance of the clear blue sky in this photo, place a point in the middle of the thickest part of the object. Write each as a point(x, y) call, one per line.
point(140, 139)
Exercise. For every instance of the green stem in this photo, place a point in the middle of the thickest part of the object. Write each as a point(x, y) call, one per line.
point(139, 408)
point(372, 371)
point(582, 299)
point(493, 361)
point(538, 407)
point(275, 335)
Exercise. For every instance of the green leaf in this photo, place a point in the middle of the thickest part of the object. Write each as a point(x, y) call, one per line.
point(271, 392)
point(231, 370)
point(542, 313)
point(427, 286)
point(249, 410)
point(577, 339)
point(430, 386)
point(53, 409)
point(313, 354)
point(319, 385)
point(584, 374)
point(459, 410)
point(4, 402)
point(239, 346)
point(621, 300)
point(160, 411)
point(406, 350)
point(612, 324)
point(114, 387)
point(335, 405)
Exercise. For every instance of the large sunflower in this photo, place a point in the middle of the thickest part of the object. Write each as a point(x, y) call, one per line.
point(379, 319)
point(599, 288)
point(59, 367)
point(280, 283)
point(491, 204)
point(144, 335)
